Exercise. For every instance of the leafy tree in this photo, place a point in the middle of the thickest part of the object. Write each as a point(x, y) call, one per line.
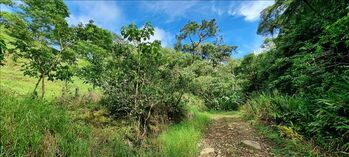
point(8, 22)
point(195, 37)
point(301, 40)
point(140, 82)
point(218, 87)
point(94, 45)
point(44, 40)
point(216, 54)
point(196, 34)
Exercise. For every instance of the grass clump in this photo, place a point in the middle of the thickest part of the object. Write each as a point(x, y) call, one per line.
point(285, 146)
point(36, 127)
point(182, 139)
point(31, 127)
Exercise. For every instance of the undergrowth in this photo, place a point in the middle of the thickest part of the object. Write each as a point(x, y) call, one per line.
point(36, 127)
point(31, 127)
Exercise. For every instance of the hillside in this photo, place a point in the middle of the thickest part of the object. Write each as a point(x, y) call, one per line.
point(11, 78)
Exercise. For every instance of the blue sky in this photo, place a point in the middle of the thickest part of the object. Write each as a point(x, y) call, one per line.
point(237, 20)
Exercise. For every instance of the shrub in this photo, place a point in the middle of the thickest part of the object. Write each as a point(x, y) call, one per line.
point(220, 90)
point(280, 109)
point(141, 83)
point(325, 121)
point(331, 122)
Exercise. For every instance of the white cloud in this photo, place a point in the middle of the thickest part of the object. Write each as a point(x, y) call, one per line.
point(162, 35)
point(106, 14)
point(250, 10)
point(173, 9)
point(217, 10)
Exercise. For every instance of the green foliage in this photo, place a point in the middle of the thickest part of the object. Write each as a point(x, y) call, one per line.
point(331, 119)
point(39, 27)
point(34, 127)
point(216, 53)
point(195, 35)
point(94, 46)
point(11, 78)
point(8, 24)
point(279, 109)
point(194, 31)
point(305, 63)
point(285, 146)
point(2, 51)
point(326, 124)
point(141, 82)
point(217, 86)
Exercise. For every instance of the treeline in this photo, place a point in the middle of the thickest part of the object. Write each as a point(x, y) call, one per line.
point(140, 80)
point(304, 73)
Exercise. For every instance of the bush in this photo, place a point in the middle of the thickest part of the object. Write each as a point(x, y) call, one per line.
point(220, 90)
point(331, 122)
point(325, 121)
point(142, 83)
point(280, 109)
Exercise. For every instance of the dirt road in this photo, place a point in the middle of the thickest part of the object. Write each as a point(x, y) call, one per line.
point(231, 136)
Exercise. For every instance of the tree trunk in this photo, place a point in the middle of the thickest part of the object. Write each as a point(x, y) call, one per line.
point(65, 89)
point(42, 86)
point(36, 87)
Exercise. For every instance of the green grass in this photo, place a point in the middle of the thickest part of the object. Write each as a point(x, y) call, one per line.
point(43, 128)
point(31, 127)
point(284, 146)
point(34, 127)
point(12, 78)
point(182, 139)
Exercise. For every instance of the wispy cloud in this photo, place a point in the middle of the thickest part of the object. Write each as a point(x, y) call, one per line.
point(162, 35)
point(250, 10)
point(173, 9)
point(106, 14)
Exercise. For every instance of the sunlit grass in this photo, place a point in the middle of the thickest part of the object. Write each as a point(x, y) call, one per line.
point(33, 127)
point(36, 127)
point(182, 139)
point(12, 78)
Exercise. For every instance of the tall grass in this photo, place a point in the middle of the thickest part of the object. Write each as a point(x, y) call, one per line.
point(277, 108)
point(34, 127)
point(182, 139)
point(324, 122)
point(31, 127)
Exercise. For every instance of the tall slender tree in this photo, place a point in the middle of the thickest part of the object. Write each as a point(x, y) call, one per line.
point(44, 40)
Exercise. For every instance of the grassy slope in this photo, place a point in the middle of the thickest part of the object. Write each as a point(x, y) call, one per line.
point(41, 127)
point(56, 127)
point(18, 114)
point(12, 78)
